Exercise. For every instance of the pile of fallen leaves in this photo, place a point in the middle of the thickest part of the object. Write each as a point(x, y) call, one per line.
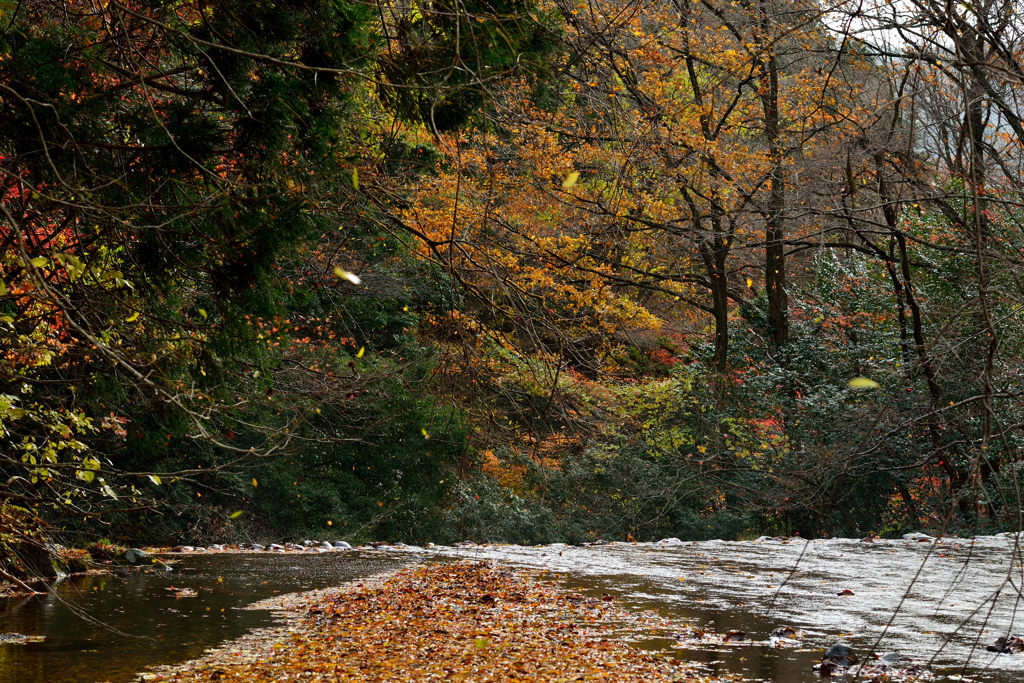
point(452, 622)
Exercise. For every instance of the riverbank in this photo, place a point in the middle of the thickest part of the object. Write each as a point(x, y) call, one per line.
point(470, 621)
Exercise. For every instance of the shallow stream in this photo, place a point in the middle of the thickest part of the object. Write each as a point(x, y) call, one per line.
point(939, 603)
point(109, 627)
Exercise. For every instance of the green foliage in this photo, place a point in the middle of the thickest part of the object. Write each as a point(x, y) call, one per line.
point(171, 206)
point(444, 54)
point(366, 467)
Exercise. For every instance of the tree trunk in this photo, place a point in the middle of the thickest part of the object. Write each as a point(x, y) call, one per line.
point(775, 234)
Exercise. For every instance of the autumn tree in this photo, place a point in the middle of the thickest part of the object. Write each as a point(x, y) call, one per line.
point(159, 162)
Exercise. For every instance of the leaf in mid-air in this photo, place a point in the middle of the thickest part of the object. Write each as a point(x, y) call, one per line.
point(346, 275)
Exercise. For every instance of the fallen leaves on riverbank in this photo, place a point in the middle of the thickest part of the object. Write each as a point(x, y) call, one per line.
point(453, 622)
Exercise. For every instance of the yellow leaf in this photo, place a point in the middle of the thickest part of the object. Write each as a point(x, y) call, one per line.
point(362, 350)
point(254, 482)
point(355, 178)
point(236, 514)
point(570, 181)
point(863, 383)
point(132, 318)
point(38, 261)
point(423, 431)
point(202, 312)
point(330, 523)
point(346, 275)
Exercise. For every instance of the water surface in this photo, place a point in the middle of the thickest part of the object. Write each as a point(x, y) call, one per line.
point(109, 627)
point(939, 604)
point(935, 603)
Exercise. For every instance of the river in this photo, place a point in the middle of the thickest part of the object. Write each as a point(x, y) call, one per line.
point(937, 603)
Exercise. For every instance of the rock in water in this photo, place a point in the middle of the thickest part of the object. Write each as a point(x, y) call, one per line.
point(839, 651)
point(1010, 645)
point(839, 655)
point(787, 632)
point(135, 556)
point(41, 560)
point(889, 659)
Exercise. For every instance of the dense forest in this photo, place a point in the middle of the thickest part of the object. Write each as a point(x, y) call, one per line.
point(509, 270)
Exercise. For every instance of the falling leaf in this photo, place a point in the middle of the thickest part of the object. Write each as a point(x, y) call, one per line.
point(346, 275)
point(236, 514)
point(254, 482)
point(155, 479)
point(863, 383)
point(423, 431)
point(132, 318)
point(570, 181)
point(330, 523)
point(202, 312)
point(362, 350)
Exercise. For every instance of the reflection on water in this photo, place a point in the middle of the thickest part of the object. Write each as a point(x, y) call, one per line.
point(953, 599)
point(109, 627)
